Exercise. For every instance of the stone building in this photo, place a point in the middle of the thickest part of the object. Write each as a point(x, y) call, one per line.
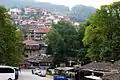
point(32, 48)
point(97, 71)
point(37, 33)
point(40, 60)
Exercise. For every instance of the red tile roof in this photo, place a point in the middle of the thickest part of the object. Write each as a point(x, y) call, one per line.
point(65, 21)
point(31, 42)
point(41, 29)
point(41, 19)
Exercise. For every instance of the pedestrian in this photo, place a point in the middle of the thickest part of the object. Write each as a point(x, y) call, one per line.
point(32, 71)
point(20, 69)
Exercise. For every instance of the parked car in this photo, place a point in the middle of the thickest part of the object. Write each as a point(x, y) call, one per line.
point(39, 73)
point(42, 73)
point(51, 71)
point(7, 73)
point(36, 71)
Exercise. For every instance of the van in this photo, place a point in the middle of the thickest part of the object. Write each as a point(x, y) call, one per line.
point(7, 73)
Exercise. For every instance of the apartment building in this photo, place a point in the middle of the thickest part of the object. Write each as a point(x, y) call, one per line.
point(37, 33)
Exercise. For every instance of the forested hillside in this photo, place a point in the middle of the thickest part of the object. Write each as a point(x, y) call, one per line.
point(77, 13)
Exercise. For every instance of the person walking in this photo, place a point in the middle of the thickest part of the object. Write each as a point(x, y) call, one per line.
point(20, 69)
point(32, 71)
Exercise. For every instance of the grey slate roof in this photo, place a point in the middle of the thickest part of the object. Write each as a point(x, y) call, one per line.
point(98, 65)
point(40, 58)
point(112, 77)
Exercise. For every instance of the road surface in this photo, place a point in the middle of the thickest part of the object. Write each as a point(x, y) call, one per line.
point(27, 75)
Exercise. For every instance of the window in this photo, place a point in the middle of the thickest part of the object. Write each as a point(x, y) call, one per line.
point(6, 70)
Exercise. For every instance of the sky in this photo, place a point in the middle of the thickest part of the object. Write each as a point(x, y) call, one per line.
point(71, 3)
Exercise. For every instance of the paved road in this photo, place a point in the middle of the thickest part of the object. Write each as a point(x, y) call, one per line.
point(27, 75)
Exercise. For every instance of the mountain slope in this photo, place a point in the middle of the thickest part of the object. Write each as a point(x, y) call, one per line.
point(78, 13)
point(33, 3)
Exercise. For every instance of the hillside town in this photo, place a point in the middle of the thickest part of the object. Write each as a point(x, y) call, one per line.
point(35, 23)
point(39, 43)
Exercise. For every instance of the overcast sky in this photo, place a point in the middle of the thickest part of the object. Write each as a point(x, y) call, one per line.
point(70, 3)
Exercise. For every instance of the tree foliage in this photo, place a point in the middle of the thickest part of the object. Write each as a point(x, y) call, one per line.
point(64, 41)
point(11, 48)
point(103, 34)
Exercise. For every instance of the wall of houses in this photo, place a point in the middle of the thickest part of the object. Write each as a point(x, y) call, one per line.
point(34, 50)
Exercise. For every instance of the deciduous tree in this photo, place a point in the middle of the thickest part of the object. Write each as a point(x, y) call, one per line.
point(103, 34)
point(65, 41)
point(11, 48)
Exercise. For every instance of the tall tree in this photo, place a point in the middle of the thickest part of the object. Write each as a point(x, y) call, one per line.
point(65, 42)
point(10, 40)
point(82, 51)
point(103, 33)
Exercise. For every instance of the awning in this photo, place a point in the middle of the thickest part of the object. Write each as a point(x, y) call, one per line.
point(64, 68)
point(93, 77)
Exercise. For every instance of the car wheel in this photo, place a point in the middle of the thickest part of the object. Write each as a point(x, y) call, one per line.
point(9, 79)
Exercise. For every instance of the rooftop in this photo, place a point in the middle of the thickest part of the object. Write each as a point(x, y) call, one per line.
point(40, 58)
point(98, 65)
point(31, 42)
point(112, 77)
point(41, 29)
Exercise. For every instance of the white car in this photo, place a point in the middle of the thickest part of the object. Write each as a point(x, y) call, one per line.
point(7, 73)
point(35, 71)
point(42, 73)
point(52, 71)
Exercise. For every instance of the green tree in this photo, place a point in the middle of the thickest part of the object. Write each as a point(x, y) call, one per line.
point(65, 41)
point(82, 51)
point(103, 34)
point(11, 48)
